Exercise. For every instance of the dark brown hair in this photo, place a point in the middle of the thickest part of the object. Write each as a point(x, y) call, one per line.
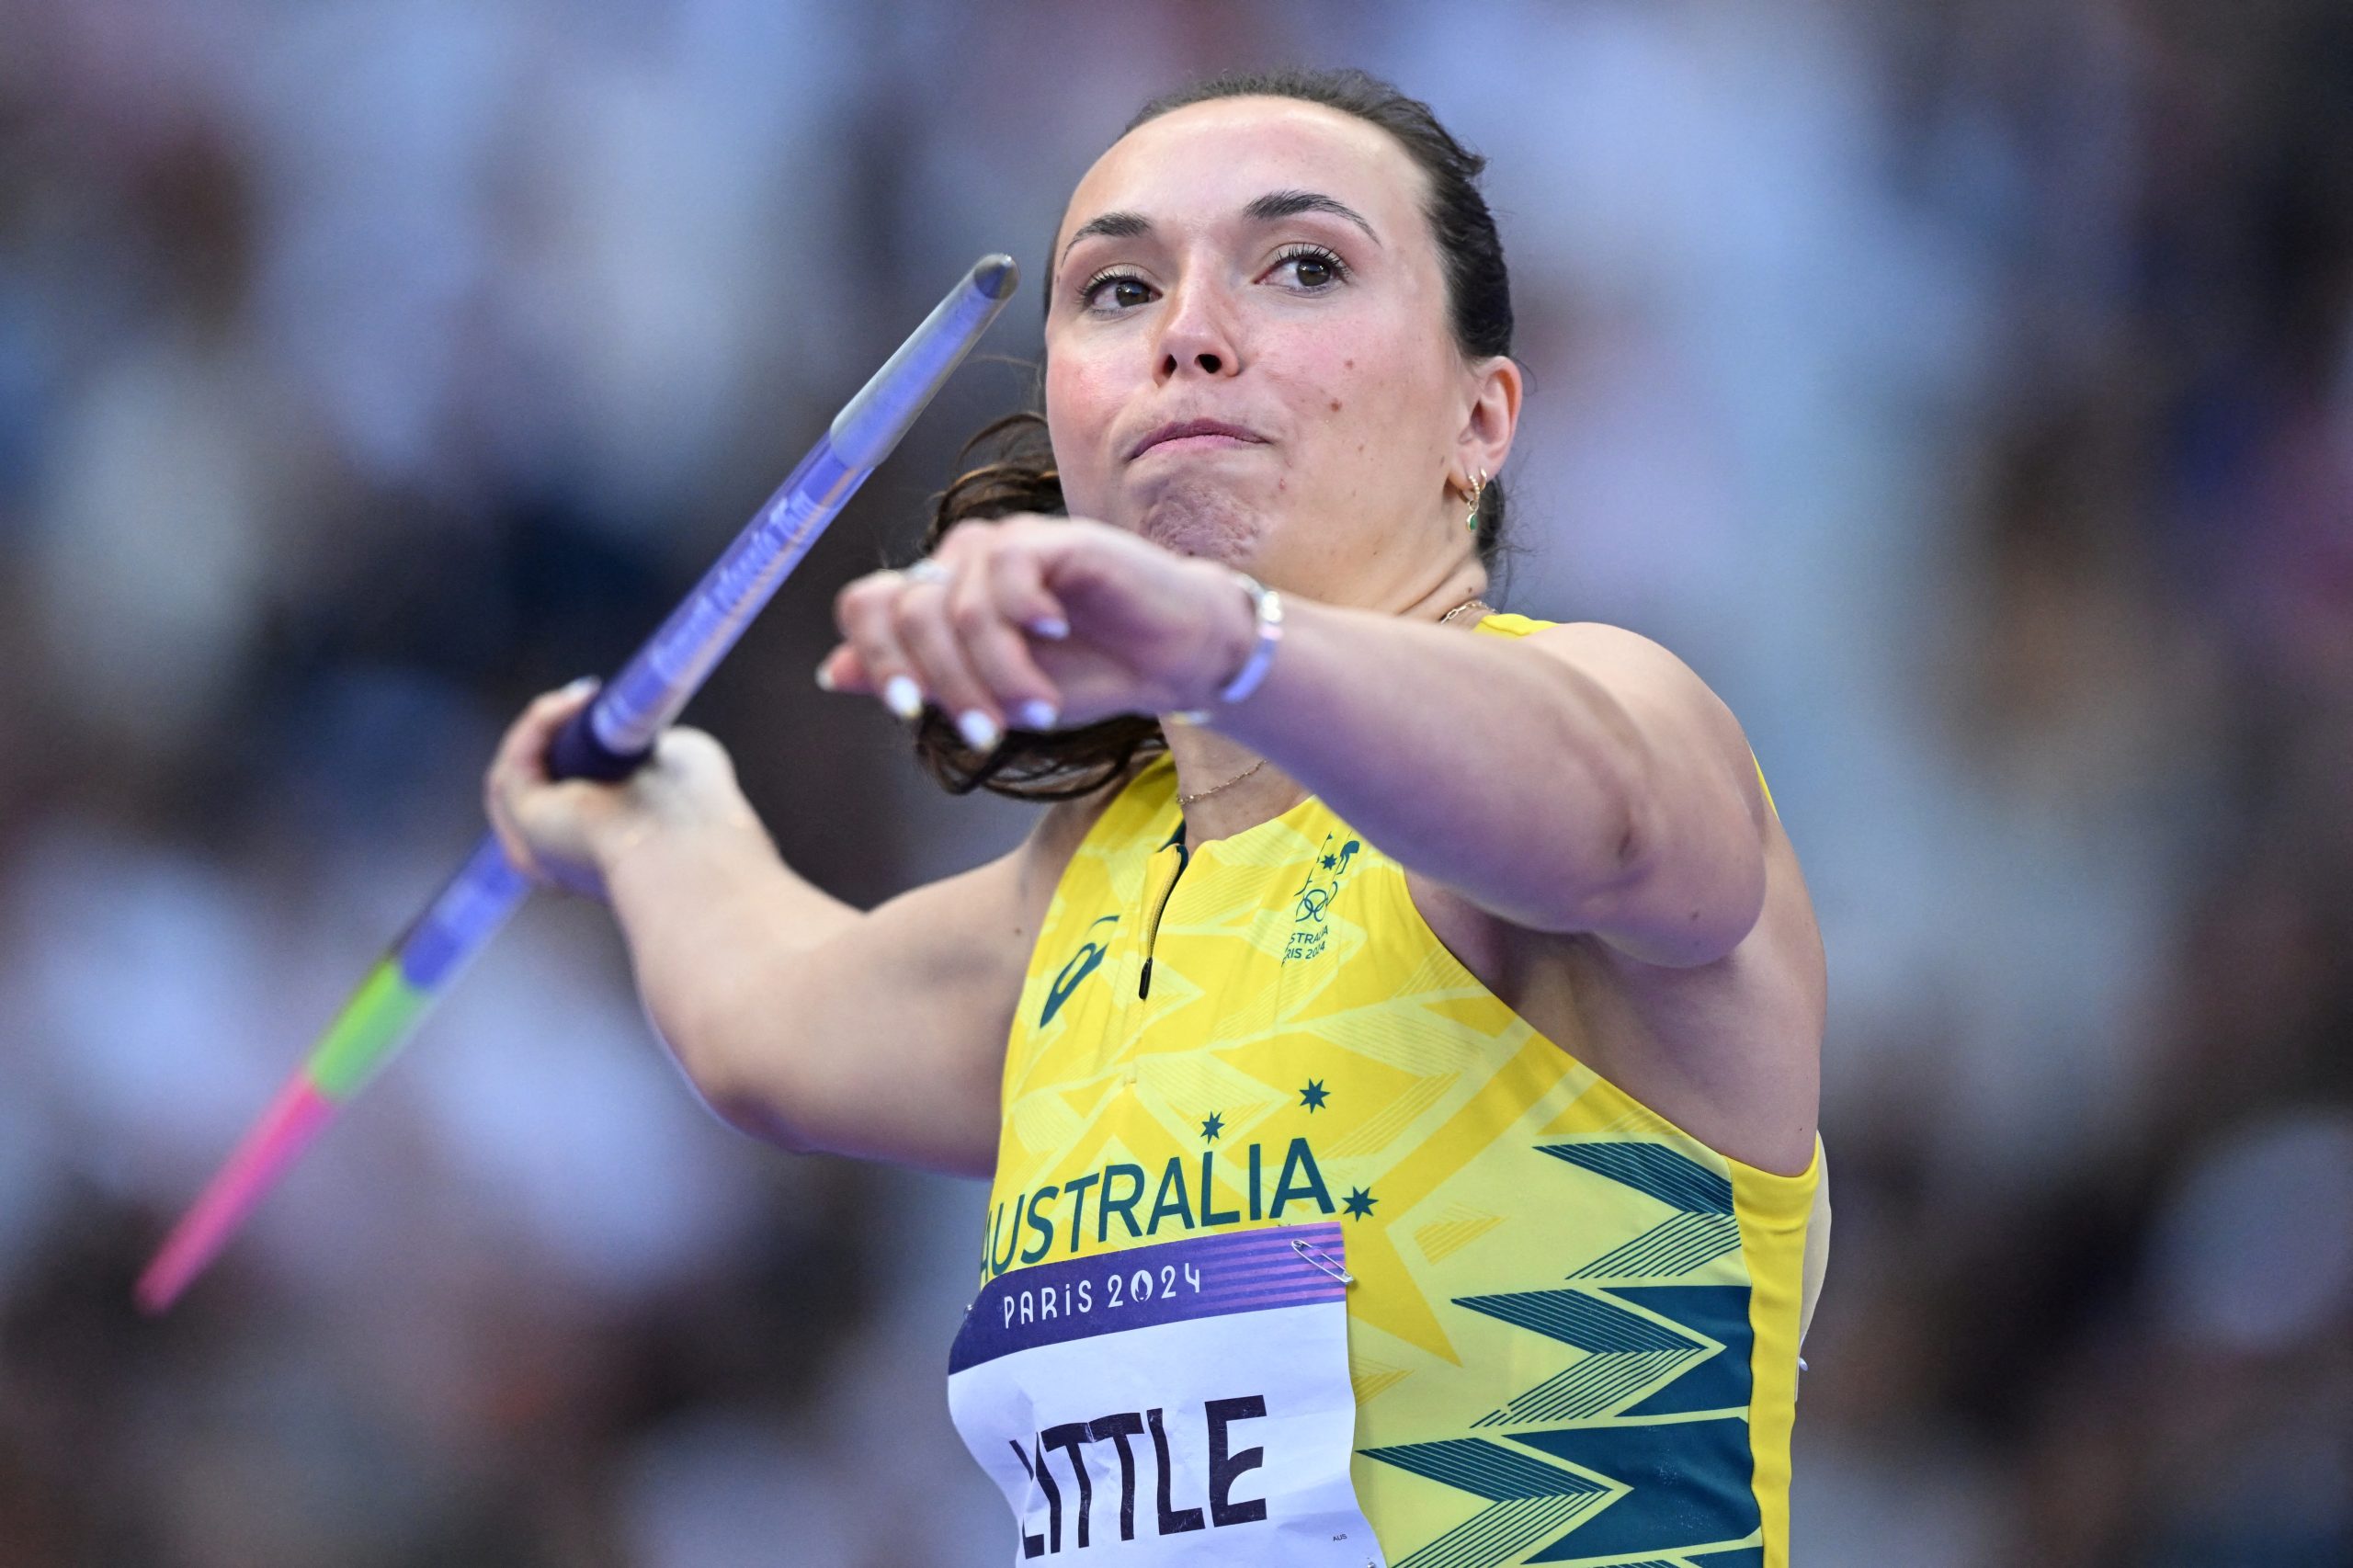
point(1010, 463)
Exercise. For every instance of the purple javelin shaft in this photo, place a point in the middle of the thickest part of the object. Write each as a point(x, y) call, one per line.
point(608, 740)
point(615, 732)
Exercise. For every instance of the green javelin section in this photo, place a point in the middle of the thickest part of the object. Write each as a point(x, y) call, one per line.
point(377, 1018)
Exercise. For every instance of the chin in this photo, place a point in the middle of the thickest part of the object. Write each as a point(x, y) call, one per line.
point(1205, 520)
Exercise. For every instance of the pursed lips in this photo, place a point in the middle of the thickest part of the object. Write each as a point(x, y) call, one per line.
point(1196, 435)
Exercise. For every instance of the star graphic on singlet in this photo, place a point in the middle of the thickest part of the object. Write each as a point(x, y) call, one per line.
point(1313, 1095)
point(1359, 1203)
point(1329, 862)
point(1212, 1128)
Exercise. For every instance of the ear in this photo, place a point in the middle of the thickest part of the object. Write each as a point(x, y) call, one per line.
point(1484, 439)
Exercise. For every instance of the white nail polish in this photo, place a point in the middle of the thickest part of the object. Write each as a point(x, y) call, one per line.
point(824, 677)
point(1038, 715)
point(902, 696)
point(980, 731)
point(1051, 627)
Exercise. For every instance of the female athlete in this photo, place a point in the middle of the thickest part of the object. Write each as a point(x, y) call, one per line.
point(1394, 1049)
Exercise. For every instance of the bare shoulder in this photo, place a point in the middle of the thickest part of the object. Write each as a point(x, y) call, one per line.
point(1619, 647)
point(1590, 639)
point(1642, 673)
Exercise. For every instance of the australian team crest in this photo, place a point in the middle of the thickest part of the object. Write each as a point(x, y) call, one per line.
point(1309, 905)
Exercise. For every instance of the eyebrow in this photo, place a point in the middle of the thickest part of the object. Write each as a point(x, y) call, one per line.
point(1291, 203)
point(1117, 225)
point(1267, 209)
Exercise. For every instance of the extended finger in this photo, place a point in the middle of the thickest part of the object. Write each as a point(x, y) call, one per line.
point(922, 619)
point(996, 599)
point(842, 670)
point(866, 612)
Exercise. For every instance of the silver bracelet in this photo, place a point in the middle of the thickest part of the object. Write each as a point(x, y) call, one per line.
point(1267, 608)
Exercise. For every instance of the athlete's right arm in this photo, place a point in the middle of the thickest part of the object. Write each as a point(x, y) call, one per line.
point(800, 1018)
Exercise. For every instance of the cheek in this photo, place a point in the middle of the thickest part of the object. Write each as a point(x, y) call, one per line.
point(1368, 402)
point(1079, 406)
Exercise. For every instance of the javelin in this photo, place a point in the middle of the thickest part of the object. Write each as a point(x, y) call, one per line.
point(608, 740)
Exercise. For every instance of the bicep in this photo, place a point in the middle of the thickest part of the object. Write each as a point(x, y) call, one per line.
point(1693, 881)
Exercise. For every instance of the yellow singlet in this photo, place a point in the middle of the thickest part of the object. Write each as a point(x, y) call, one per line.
point(1573, 1330)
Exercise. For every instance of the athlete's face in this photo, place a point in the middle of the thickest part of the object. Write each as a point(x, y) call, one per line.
point(1263, 265)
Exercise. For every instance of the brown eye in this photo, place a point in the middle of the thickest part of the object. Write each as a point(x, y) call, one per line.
point(1112, 293)
point(1313, 269)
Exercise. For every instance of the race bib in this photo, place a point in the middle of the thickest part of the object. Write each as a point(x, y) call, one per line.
point(1182, 1402)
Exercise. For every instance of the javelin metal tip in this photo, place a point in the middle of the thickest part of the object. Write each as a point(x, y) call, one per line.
point(996, 276)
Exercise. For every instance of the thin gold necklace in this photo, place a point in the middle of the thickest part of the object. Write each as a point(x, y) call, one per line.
point(1184, 800)
point(1471, 603)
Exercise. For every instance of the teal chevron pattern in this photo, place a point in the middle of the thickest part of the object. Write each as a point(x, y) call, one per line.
point(1636, 1454)
point(1625, 1353)
point(1528, 1500)
point(1686, 1485)
point(1702, 1229)
point(1678, 1181)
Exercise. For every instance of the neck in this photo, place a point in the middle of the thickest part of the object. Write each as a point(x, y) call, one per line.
point(1205, 759)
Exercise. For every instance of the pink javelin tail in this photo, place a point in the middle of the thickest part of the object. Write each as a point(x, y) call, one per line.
point(291, 1121)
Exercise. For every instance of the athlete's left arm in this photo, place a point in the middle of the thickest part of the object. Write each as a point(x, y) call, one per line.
point(1581, 779)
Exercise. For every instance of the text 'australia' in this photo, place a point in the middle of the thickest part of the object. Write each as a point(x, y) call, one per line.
point(1076, 1215)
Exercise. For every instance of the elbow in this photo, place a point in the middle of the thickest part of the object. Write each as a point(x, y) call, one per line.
point(1614, 843)
point(1634, 828)
point(1681, 883)
point(1617, 823)
point(717, 1071)
point(1662, 849)
point(1702, 901)
point(756, 1117)
point(686, 1034)
point(1741, 904)
point(753, 1110)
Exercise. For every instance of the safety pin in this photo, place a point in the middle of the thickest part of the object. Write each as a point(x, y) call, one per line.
point(1323, 1260)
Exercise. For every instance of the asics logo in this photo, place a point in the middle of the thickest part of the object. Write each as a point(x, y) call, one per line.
point(1082, 964)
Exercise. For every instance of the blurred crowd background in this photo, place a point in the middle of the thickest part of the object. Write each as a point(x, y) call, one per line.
point(1964, 387)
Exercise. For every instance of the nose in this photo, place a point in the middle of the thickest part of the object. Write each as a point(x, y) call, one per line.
point(1196, 336)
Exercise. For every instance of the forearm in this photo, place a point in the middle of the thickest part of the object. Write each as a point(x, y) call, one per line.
point(1513, 779)
point(715, 922)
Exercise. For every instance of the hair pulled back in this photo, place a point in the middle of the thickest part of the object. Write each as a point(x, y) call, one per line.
point(1010, 462)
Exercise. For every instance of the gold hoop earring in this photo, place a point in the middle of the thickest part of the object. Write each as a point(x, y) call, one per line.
point(1470, 518)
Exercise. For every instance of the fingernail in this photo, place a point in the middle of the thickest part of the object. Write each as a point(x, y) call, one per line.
point(1051, 627)
point(902, 696)
point(1038, 715)
point(825, 675)
point(584, 683)
point(980, 731)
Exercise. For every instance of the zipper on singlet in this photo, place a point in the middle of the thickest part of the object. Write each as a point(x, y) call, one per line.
point(1160, 886)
